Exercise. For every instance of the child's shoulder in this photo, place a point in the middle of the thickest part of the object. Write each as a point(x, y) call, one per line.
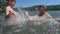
point(7, 7)
point(47, 13)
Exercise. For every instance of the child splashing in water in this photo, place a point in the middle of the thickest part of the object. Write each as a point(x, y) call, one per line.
point(11, 18)
point(43, 14)
point(11, 15)
point(9, 10)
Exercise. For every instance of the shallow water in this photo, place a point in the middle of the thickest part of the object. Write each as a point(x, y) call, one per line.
point(26, 26)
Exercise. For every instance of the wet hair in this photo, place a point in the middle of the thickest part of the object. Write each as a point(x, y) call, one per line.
point(42, 6)
point(7, 1)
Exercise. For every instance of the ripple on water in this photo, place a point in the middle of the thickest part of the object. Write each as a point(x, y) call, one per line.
point(49, 26)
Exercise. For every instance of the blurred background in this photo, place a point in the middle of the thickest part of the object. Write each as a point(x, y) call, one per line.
point(32, 27)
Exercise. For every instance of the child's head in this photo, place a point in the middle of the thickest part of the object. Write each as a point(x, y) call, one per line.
point(10, 2)
point(42, 8)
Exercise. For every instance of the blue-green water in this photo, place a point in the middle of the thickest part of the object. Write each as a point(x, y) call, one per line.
point(49, 26)
point(53, 13)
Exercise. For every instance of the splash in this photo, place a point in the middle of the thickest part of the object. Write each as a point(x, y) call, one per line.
point(23, 25)
point(49, 26)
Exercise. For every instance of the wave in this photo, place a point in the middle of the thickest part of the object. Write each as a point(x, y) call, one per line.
point(46, 26)
point(23, 25)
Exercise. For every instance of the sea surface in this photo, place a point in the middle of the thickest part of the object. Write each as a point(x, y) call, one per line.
point(26, 26)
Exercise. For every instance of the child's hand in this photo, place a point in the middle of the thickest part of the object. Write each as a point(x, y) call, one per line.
point(17, 15)
point(34, 19)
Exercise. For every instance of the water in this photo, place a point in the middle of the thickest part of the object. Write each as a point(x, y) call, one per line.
point(26, 26)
